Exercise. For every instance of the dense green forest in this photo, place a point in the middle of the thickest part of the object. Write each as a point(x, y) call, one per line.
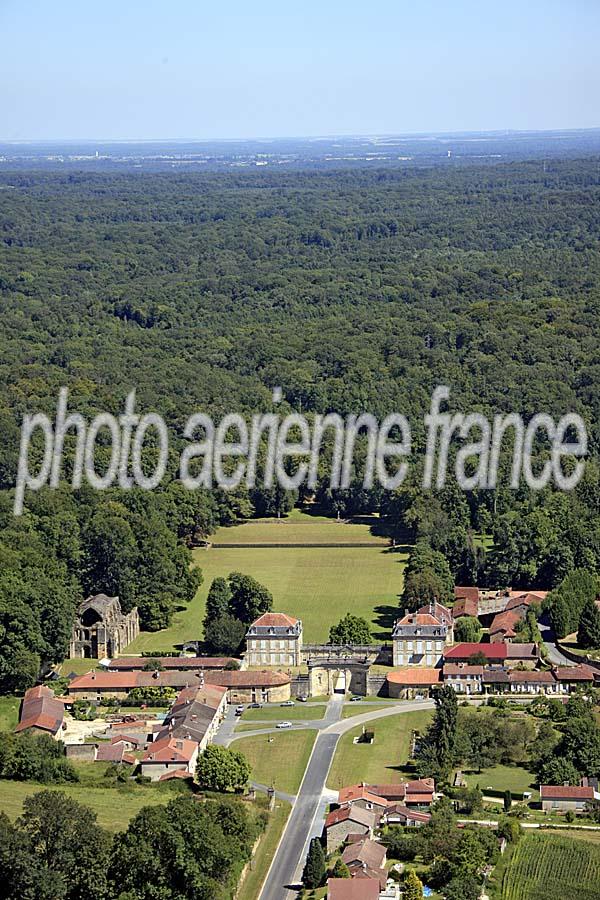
point(353, 291)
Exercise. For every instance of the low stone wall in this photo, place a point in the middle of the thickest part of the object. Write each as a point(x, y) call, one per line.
point(579, 660)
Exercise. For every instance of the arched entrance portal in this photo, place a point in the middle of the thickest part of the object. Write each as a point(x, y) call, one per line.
point(335, 677)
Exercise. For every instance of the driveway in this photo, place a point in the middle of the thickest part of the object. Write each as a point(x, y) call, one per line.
point(306, 819)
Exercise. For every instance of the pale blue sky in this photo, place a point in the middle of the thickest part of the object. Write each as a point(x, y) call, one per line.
point(194, 69)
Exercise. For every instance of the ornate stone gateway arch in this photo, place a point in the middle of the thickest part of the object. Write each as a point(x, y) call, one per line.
point(337, 675)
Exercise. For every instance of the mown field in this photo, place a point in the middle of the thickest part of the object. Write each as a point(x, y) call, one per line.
point(384, 759)
point(278, 759)
point(284, 713)
point(301, 528)
point(552, 867)
point(317, 584)
point(113, 806)
point(503, 778)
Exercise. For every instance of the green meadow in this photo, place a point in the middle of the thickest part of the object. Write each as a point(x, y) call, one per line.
point(317, 584)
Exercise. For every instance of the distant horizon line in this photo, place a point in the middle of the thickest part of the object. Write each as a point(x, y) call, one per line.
point(311, 137)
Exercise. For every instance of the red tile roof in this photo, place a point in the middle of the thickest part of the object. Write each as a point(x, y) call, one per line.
point(405, 812)
point(367, 851)
point(248, 678)
point(466, 650)
point(514, 676)
point(466, 606)
point(466, 593)
point(176, 773)
point(524, 599)
point(462, 669)
point(575, 673)
point(565, 792)
point(359, 792)
point(424, 787)
point(350, 813)
point(40, 709)
point(505, 622)
point(418, 619)
point(414, 675)
point(170, 750)
point(353, 889)
point(273, 620)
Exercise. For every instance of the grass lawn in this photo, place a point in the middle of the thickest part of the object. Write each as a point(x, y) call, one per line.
point(284, 713)
point(281, 762)
point(300, 528)
point(79, 666)
point(317, 584)
point(261, 859)
point(113, 806)
point(381, 761)
point(355, 709)
point(9, 712)
point(504, 778)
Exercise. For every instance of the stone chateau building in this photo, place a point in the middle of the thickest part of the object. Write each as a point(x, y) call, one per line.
point(102, 629)
point(274, 639)
point(419, 638)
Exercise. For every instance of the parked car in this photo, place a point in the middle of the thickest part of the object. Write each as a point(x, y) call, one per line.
point(284, 725)
point(239, 710)
point(354, 698)
point(287, 703)
point(255, 706)
point(302, 698)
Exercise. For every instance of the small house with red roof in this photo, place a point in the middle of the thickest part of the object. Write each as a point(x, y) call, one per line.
point(504, 626)
point(564, 798)
point(274, 639)
point(409, 681)
point(41, 712)
point(168, 755)
point(346, 820)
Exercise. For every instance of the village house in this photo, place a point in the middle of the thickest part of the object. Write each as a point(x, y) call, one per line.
point(539, 682)
point(500, 653)
point(412, 681)
point(274, 639)
point(419, 793)
point(563, 798)
point(359, 795)
point(397, 814)
point(41, 712)
point(504, 626)
point(242, 686)
point(418, 639)
point(101, 629)
point(366, 858)
point(169, 754)
point(253, 686)
point(570, 678)
point(466, 606)
point(196, 714)
point(348, 819)
point(465, 679)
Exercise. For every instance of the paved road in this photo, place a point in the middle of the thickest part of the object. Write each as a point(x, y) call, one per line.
point(283, 879)
point(549, 638)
